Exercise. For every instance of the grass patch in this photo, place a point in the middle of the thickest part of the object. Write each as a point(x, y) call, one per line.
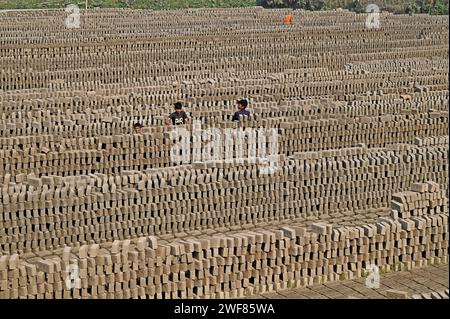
point(396, 6)
point(135, 4)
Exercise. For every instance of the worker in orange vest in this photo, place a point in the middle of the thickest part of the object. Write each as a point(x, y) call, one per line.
point(288, 19)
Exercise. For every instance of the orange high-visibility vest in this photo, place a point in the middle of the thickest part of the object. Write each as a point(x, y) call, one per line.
point(288, 19)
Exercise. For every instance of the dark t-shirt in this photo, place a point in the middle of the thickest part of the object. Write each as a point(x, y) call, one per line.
point(178, 118)
point(239, 113)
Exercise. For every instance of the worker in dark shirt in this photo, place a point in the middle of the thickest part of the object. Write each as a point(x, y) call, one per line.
point(242, 104)
point(178, 117)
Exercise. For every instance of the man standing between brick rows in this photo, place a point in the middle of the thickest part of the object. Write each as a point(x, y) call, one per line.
point(287, 19)
point(178, 117)
point(242, 104)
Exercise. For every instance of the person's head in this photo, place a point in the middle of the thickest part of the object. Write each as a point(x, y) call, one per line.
point(178, 107)
point(242, 104)
point(137, 127)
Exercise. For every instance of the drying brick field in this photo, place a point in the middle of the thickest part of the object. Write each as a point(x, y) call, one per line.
point(356, 178)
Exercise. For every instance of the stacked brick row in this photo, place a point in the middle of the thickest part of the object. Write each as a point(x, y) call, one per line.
point(343, 86)
point(432, 295)
point(152, 54)
point(23, 116)
point(242, 264)
point(50, 154)
point(53, 211)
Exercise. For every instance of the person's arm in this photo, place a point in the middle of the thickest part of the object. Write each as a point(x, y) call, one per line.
point(235, 116)
point(186, 118)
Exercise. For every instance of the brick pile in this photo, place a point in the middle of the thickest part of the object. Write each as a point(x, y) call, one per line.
point(244, 263)
point(90, 210)
point(40, 213)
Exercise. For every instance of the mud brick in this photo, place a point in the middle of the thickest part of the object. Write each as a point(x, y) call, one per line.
point(4, 262)
point(205, 244)
point(141, 244)
point(419, 222)
point(31, 269)
point(126, 245)
point(368, 231)
point(433, 187)
point(83, 251)
point(396, 294)
point(46, 266)
point(93, 250)
point(420, 187)
point(66, 254)
point(34, 181)
point(152, 242)
point(398, 207)
point(319, 228)
point(288, 232)
point(115, 247)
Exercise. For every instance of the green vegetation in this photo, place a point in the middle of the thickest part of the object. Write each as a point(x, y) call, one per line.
point(313, 5)
point(433, 7)
point(397, 6)
point(356, 6)
point(136, 4)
